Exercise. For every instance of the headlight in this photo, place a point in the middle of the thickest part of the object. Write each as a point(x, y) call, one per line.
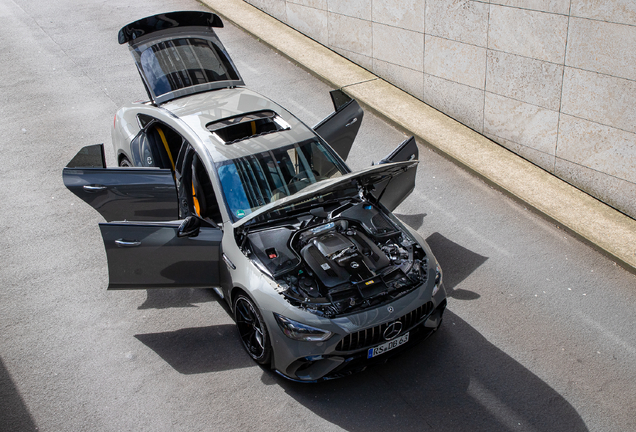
point(297, 331)
point(438, 279)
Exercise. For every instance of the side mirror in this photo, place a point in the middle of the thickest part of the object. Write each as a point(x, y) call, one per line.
point(189, 227)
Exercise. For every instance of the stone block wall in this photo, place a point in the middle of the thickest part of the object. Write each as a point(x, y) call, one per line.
point(552, 80)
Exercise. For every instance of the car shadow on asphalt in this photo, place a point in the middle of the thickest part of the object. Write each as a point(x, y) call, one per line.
point(457, 263)
point(177, 298)
point(454, 381)
point(14, 414)
point(200, 349)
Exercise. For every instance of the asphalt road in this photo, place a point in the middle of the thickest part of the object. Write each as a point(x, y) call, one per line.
point(540, 332)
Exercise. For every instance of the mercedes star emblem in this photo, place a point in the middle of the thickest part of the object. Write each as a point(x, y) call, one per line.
point(392, 330)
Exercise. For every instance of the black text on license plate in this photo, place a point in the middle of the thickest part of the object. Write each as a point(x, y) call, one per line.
point(388, 346)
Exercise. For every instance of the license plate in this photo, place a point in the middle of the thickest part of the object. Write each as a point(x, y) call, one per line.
point(385, 347)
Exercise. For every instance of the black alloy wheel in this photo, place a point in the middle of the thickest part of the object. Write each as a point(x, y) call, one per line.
point(252, 330)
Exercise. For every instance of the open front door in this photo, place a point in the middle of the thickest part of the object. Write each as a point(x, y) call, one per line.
point(151, 255)
point(393, 191)
point(147, 194)
point(340, 128)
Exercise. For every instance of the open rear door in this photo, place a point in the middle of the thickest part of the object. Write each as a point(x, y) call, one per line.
point(151, 255)
point(147, 194)
point(393, 191)
point(340, 128)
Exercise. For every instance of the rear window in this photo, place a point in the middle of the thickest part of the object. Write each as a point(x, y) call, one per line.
point(179, 63)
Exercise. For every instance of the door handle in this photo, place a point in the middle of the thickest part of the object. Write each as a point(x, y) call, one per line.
point(125, 243)
point(355, 119)
point(94, 188)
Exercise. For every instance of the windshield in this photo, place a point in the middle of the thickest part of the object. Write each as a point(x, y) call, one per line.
point(253, 181)
point(179, 63)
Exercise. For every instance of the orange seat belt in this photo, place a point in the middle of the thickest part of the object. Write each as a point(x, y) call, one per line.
point(165, 145)
point(195, 201)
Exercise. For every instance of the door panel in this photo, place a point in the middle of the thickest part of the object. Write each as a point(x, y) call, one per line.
point(393, 191)
point(150, 255)
point(125, 193)
point(340, 128)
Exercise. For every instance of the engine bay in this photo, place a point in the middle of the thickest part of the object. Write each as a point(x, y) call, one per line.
point(342, 261)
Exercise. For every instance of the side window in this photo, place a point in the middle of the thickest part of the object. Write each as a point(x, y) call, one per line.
point(144, 119)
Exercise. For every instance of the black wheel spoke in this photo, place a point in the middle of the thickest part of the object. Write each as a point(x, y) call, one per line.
point(252, 330)
point(244, 314)
point(258, 337)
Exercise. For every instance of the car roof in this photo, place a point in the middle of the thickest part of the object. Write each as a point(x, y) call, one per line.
point(200, 110)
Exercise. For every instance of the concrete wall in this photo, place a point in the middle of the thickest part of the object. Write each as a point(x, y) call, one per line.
point(552, 80)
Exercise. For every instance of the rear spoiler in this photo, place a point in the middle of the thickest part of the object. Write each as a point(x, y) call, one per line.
point(166, 21)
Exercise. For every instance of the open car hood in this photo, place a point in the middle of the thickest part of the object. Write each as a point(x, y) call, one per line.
point(375, 175)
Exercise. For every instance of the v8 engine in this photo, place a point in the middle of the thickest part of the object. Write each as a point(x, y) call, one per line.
point(351, 260)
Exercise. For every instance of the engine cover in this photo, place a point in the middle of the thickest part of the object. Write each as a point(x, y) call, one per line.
point(338, 258)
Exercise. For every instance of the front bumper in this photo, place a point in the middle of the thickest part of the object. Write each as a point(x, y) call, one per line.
point(350, 353)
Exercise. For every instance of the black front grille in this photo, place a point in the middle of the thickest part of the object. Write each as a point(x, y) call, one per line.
point(374, 335)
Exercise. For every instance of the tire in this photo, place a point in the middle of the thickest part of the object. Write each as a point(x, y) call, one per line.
point(252, 330)
point(125, 163)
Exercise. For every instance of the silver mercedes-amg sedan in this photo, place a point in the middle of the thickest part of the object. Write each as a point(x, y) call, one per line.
point(219, 187)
